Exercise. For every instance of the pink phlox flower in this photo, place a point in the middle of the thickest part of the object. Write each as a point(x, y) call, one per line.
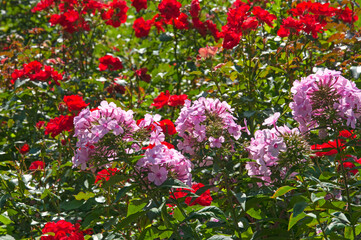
point(200, 132)
point(275, 146)
point(156, 137)
point(92, 126)
point(157, 174)
point(347, 105)
point(272, 119)
point(216, 142)
point(171, 159)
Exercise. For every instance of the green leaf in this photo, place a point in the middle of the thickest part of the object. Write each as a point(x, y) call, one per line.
point(174, 183)
point(208, 212)
point(282, 191)
point(298, 208)
point(129, 219)
point(325, 176)
point(84, 196)
point(113, 180)
point(196, 73)
point(135, 205)
point(255, 213)
point(217, 211)
point(71, 205)
point(3, 200)
point(177, 214)
point(122, 192)
point(294, 220)
point(5, 220)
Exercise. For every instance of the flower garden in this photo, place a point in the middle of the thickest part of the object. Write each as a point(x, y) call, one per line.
point(166, 119)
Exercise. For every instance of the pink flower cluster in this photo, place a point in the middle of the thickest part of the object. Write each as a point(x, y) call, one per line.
point(160, 162)
point(265, 148)
point(92, 125)
point(346, 99)
point(194, 124)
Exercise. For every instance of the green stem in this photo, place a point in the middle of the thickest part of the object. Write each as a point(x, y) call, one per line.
point(179, 75)
point(230, 203)
point(344, 176)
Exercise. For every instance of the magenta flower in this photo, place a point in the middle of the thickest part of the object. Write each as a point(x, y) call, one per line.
point(92, 126)
point(196, 121)
point(157, 174)
point(272, 119)
point(321, 96)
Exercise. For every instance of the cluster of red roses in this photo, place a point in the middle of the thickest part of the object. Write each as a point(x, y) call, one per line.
point(62, 123)
point(63, 230)
point(241, 19)
point(171, 100)
point(204, 199)
point(310, 17)
point(36, 71)
point(170, 14)
point(111, 63)
point(331, 148)
point(73, 13)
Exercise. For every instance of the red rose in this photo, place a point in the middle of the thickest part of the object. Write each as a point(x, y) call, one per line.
point(37, 165)
point(57, 125)
point(24, 149)
point(329, 148)
point(116, 14)
point(346, 15)
point(74, 102)
point(231, 39)
point(43, 4)
point(110, 62)
point(213, 29)
point(40, 124)
point(16, 75)
point(289, 26)
point(169, 9)
point(264, 16)
point(250, 23)
point(204, 199)
point(139, 4)
point(181, 22)
point(150, 146)
point(200, 26)
point(142, 27)
point(62, 230)
point(167, 126)
point(195, 8)
point(115, 87)
point(349, 165)
point(105, 174)
point(142, 74)
point(177, 100)
point(161, 100)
